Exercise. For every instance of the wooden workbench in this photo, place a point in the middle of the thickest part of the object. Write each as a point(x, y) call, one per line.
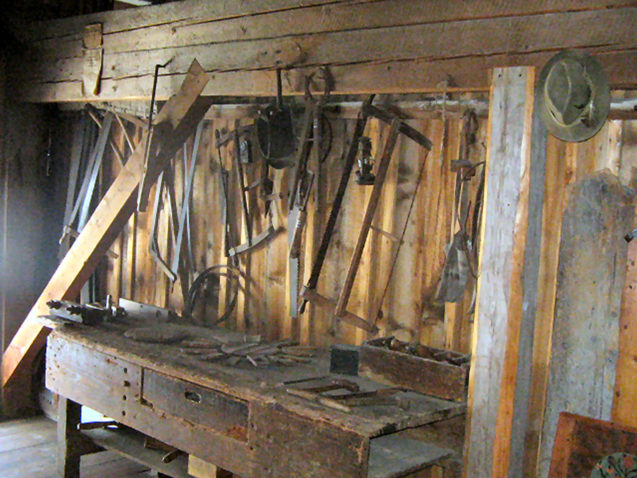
point(239, 418)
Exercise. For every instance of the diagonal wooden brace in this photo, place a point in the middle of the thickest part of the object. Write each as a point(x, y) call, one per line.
point(174, 124)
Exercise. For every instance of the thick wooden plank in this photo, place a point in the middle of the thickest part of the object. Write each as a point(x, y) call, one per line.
point(494, 365)
point(460, 40)
point(200, 405)
point(71, 444)
point(586, 328)
point(471, 74)
point(625, 401)
point(438, 41)
point(182, 13)
point(181, 114)
point(193, 25)
point(560, 171)
point(264, 38)
point(68, 459)
point(581, 442)
point(531, 285)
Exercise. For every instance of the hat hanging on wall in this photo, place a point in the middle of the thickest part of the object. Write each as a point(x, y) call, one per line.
point(573, 96)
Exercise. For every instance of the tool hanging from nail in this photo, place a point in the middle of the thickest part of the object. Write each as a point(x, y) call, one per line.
point(315, 124)
point(309, 291)
point(153, 243)
point(301, 216)
point(236, 137)
point(144, 187)
point(461, 258)
point(230, 233)
point(275, 132)
point(364, 175)
point(179, 226)
point(183, 226)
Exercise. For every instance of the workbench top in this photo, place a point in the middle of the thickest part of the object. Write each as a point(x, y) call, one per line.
point(263, 383)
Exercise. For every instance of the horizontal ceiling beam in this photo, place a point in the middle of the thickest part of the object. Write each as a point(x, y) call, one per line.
point(383, 46)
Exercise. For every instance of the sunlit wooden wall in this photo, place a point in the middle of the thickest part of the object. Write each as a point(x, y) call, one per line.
point(409, 308)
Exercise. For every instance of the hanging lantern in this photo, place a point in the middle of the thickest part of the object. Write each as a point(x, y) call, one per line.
point(364, 175)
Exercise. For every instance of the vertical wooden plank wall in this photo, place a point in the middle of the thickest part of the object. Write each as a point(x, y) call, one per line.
point(625, 397)
point(408, 308)
point(613, 148)
point(263, 306)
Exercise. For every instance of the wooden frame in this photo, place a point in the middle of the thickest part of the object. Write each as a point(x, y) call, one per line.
point(580, 442)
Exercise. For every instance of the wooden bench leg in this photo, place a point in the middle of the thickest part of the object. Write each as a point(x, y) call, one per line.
point(68, 456)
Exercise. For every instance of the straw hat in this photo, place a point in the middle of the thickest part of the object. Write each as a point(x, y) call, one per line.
point(573, 95)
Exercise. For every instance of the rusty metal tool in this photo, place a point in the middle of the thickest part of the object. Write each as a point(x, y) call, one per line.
point(185, 208)
point(316, 393)
point(144, 187)
point(153, 244)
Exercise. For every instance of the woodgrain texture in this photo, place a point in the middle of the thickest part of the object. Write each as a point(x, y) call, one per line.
point(585, 337)
point(432, 377)
point(625, 400)
point(240, 418)
point(494, 366)
point(364, 43)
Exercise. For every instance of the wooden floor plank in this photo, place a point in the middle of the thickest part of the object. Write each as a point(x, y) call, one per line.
point(28, 448)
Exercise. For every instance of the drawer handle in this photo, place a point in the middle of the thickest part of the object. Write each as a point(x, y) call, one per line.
point(192, 396)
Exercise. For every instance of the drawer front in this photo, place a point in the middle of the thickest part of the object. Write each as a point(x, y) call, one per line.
point(199, 405)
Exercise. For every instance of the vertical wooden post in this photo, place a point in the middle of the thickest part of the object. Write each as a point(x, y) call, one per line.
point(531, 285)
point(68, 456)
point(625, 399)
point(496, 358)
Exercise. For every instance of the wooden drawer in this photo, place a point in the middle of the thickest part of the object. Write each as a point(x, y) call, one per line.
point(199, 405)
